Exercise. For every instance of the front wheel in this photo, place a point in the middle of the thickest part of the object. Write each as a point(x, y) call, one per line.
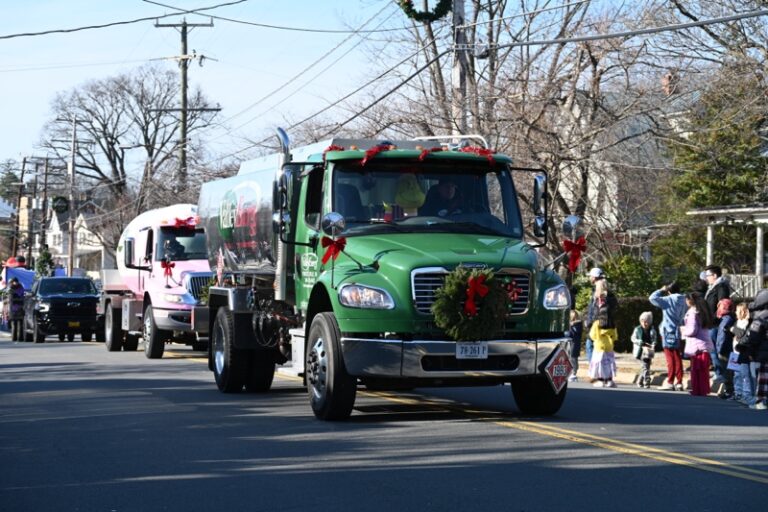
point(534, 395)
point(154, 338)
point(230, 365)
point(331, 389)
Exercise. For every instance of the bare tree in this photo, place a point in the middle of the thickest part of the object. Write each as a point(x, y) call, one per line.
point(117, 115)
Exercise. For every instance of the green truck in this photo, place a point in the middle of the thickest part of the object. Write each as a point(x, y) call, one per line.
point(329, 258)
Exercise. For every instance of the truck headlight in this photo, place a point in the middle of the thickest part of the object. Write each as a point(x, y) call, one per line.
point(43, 307)
point(359, 296)
point(557, 297)
point(176, 299)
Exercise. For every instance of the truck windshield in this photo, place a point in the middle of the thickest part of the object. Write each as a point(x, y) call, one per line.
point(180, 244)
point(420, 197)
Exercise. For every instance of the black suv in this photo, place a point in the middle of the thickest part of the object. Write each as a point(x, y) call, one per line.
point(63, 306)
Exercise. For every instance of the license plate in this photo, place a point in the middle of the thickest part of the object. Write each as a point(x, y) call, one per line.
point(73, 324)
point(473, 350)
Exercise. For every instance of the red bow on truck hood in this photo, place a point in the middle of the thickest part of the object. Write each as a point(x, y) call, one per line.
point(334, 247)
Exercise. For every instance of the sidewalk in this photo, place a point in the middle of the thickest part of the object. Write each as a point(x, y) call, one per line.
point(628, 368)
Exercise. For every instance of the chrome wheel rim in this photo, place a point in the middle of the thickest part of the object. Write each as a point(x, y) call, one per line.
point(218, 350)
point(147, 325)
point(108, 326)
point(317, 365)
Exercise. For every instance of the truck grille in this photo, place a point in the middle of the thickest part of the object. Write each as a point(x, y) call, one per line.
point(72, 307)
point(196, 284)
point(425, 282)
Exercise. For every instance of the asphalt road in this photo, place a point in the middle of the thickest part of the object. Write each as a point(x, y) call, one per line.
point(83, 429)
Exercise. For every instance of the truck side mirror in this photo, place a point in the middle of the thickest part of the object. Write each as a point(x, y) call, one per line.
point(333, 224)
point(539, 204)
point(128, 245)
point(572, 227)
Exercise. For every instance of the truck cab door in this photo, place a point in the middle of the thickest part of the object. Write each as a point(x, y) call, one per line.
point(307, 225)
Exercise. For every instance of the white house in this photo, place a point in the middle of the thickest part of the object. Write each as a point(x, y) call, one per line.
point(89, 252)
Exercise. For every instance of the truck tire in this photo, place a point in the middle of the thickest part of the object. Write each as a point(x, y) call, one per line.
point(534, 395)
point(230, 365)
point(261, 372)
point(113, 332)
point(331, 389)
point(62, 335)
point(154, 338)
point(37, 333)
point(86, 336)
point(131, 343)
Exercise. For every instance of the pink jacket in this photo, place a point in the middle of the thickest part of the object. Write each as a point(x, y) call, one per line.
point(696, 337)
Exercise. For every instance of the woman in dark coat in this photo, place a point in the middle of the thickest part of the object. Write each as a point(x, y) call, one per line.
point(757, 341)
point(16, 309)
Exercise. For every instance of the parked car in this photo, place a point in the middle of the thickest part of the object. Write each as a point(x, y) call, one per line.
point(61, 305)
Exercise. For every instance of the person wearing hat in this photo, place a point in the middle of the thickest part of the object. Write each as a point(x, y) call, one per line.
point(595, 274)
point(443, 199)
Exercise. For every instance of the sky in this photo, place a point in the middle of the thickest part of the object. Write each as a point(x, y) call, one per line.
point(243, 64)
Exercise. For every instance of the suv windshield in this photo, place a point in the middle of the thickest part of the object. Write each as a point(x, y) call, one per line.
point(439, 196)
point(67, 285)
point(180, 244)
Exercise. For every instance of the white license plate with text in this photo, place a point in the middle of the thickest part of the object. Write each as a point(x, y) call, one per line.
point(472, 350)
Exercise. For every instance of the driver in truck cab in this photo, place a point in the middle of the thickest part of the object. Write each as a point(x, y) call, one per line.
point(443, 199)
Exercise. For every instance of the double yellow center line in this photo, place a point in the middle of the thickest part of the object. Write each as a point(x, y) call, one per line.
point(614, 445)
point(544, 429)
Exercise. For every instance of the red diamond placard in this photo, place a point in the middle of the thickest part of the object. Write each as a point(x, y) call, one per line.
point(558, 369)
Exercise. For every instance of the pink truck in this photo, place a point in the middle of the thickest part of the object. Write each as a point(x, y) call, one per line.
point(162, 273)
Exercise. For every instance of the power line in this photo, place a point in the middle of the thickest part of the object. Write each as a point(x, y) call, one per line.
point(115, 23)
point(282, 27)
point(299, 74)
point(632, 33)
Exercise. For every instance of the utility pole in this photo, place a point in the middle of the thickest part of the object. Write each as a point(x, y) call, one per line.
point(459, 72)
point(17, 227)
point(184, 58)
point(44, 225)
point(31, 218)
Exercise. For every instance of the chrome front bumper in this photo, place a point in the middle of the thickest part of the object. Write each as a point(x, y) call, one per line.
point(437, 359)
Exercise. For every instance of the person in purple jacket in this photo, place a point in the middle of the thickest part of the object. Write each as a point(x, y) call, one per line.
point(698, 344)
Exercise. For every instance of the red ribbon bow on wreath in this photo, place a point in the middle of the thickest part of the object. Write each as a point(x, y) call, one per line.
point(189, 222)
point(574, 250)
point(334, 247)
point(487, 153)
point(167, 266)
point(477, 287)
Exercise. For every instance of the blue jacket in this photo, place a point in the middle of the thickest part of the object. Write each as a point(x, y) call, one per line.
point(724, 341)
point(673, 310)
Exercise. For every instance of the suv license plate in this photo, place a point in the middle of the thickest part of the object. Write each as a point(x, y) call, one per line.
point(73, 324)
point(472, 350)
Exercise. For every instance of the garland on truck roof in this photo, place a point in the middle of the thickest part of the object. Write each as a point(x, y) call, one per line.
point(471, 304)
point(442, 8)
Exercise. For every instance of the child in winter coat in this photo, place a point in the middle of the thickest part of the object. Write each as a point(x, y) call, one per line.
point(698, 344)
point(724, 344)
point(602, 366)
point(576, 330)
point(743, 384)
point(644, 338)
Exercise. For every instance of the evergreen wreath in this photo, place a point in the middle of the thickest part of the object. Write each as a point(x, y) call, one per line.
point(471, 304)
point(441, 9)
